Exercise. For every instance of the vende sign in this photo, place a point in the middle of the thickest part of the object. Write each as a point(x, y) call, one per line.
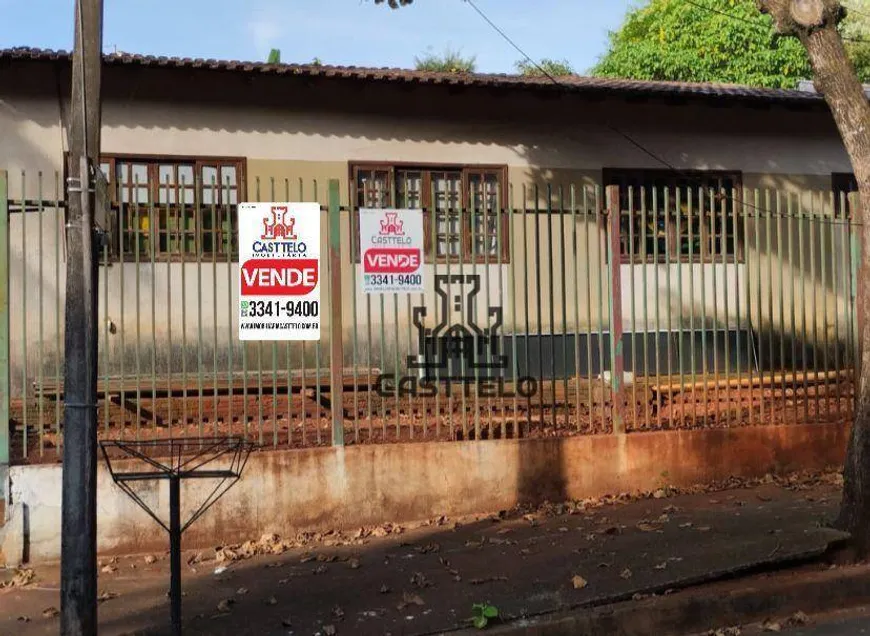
point(400, 261)
point(280, 277)
point(391, 245)
point(279, 271)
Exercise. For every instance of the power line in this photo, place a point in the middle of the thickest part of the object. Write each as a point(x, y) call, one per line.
point(738, 18)
point(607, 125)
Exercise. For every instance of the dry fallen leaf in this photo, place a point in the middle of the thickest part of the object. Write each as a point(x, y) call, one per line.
point(646, 527)
point(661, 566)
point(410, 599)
point(285, 622)
point(771, 626)
point(271, 601)
point(23, 619)
point(625, 574)
point(106, 596)
point(329, 630)
point(578, 582)
point(50, 612)
point(108, 569)
point(149, 559)
point(22, 577)
point(225, 604)
point(242, 591)
point(353, 564)
point(385, 589)
point(796, 619)
point(703, 528)
point(337, 612)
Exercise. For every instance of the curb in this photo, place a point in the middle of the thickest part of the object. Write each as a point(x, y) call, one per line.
point(697, 610)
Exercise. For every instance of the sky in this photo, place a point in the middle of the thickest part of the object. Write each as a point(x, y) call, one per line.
point(344, 32)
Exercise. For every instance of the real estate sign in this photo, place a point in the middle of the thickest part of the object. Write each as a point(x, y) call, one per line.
point(391, 247)
point(279, 271)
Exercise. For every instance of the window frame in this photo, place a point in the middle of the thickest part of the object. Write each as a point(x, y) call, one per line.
point(427, 169)
point(613, 176)
point(197, 163)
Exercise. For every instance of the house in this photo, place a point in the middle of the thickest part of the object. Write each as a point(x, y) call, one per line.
point(735, 245)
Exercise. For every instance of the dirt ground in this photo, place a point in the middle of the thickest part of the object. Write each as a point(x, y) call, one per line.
point(425, 578)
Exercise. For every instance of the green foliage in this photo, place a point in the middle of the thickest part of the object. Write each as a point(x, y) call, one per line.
point(316, 62)
point(447, 62)
point(674, 40)
point(274, 56)
point(678, 41)
point(482, 613)
point(856, 27)
point(553, 68)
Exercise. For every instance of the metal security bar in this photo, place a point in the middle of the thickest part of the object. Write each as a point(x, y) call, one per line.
point(563, 309)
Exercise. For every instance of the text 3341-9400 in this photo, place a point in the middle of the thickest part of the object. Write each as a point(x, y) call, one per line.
point(281, 308)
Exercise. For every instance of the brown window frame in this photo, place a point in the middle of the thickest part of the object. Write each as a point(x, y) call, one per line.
point(427, 171)
point(618, 176)
point(196, 209)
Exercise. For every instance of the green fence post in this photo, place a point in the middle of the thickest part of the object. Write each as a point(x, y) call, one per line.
point(4, 334)
point(336, 358)
point(617, 362)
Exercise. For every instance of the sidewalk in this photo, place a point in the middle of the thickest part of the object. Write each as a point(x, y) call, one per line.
point(424, 580)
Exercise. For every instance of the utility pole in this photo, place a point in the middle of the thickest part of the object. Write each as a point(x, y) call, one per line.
point(78, 587)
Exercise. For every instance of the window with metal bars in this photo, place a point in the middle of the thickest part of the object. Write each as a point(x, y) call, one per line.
point(676, 216)
point(464, 213)
point(174, 208)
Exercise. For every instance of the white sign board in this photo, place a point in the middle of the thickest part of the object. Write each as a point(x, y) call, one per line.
point(279, 271)
point(391, 246)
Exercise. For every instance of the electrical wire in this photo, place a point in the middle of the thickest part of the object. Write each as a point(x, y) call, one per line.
point(607, 125)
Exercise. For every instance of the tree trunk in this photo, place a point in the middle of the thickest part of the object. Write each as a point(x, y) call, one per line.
point(836, 79)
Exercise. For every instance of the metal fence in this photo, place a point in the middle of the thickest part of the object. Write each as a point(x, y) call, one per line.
point(568, 309)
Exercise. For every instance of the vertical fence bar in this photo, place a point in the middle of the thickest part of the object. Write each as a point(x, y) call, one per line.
point(576, 255)
point(759, 323)
point(152, 234)
point(847, 291)
point(105, 344)
point(563, 274)
point(666, 200)
point(512, 277)
point(4, 332)
point(703, 203)
point(57, 310)
point(736, 202)
point(336, 358)
point(272, 199)
point(199, 189)
point(617, 364)
point(499, 196)
point(823, 228)
point(715, 315)
point(528, 368)
point(601, 244)
point(259, 353)
point(646, 330)
point(771, 323)
point(726, 325)
point(24, 423)
point(691, 239)
point(169, 365)
point(551, 301)
point(815, 320)
point(433, 211)
point(856, 317)
point(588, 226)
point(354, 232)
point(804, 333)
point(678, 213)
point(215, 241)
point(792, 258)
point(780, 230)
point(538, 302)
point(656, 343)
point(633, 295)
point(231, 312)
point(182, 204)
point(835, 285)
point(472, 310)
point(747, 298)
point(41, 352)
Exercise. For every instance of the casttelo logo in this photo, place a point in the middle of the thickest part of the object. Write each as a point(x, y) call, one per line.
point(278, 225)
point(391, 226)
point(459, 353)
